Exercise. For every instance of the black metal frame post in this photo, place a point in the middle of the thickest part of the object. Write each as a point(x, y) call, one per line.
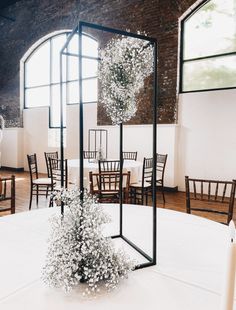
point(61, 130)
point(81, 113)
point(63, 53)
point(79, 30)
point(121, 180)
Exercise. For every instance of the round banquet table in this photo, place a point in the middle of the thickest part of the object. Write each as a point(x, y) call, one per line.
point(135, 168)
point(191, 254)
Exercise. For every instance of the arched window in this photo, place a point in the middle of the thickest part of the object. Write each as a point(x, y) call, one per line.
point(42, 74)
point(208, 47)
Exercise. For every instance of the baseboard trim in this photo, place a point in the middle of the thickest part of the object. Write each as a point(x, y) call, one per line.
point(169, 189)
point(12, 169)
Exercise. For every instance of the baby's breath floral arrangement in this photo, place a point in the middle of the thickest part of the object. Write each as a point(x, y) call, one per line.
point(78, 250)
point(124, 65)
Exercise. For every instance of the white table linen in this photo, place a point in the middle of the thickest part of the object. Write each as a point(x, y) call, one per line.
point(135, 168)
point(190, 263)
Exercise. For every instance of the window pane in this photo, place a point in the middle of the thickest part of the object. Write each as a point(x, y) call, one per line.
point(57, 44)
point(73, 68)
point(90, 46)
point(55, 109)
point(90, 68)
point(211, 30)
point(73, 92)
point(90, 90)
point(37, 97)
point(210, 73)
point(73, 45)
point(37, 67)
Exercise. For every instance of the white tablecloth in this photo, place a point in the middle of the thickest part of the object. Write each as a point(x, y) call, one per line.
point(135, 168)
point(188, 274)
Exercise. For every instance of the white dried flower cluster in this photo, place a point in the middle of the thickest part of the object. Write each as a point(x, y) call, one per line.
point(78, 250)
point(124, 65)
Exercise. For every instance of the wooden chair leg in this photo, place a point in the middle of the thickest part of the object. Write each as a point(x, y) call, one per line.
point(31, 194)
point(50, 202)
point(13, 196)
point(142, 197)
point(163, 194)
point(47, 192)
point(37, 195)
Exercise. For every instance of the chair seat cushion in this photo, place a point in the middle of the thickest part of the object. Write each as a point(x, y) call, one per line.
point(139, 184)
point(42, 181)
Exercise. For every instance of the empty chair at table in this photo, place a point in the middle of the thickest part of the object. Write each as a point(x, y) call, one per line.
point(212, 197)
point(7, 194)
point(108, 166)
point(130, 155)
point(48, 155)
point(90, 154)
point(160, 172)
point(106, 186)
point(142, 189)
point(38, 186)
point(58, 172)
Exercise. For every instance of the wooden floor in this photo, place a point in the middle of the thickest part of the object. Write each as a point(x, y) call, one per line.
point(174, 200)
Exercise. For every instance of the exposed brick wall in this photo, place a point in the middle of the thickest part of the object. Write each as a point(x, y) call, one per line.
point(36, 18)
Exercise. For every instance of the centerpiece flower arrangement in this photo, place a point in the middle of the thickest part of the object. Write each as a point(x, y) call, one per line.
point(125, 64)
point(79, 251)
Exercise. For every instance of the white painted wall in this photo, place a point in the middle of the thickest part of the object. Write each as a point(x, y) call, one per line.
point(39, 138)
point(140, 138)
point(11, 148)
point(207, 140)
point(202, 145)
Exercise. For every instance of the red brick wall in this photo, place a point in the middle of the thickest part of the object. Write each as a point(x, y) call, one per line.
point(36, 18)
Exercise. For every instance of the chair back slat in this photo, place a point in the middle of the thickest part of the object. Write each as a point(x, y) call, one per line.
point(55, 166)
point(48, 155)
point(160, 172)
point(219, 196)
point(7, 193)
point(130, 155)
point(209, 190)
point(216, 191)
point(90, 154)
point(108, 166)
point(201, 190)
point(147, 170)
point(224, 191)
point(106, 185)
point(194, 188)
point(160, 166)
point(33, 167)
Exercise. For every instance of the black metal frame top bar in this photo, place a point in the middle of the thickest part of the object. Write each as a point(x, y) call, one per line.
point(117, 31)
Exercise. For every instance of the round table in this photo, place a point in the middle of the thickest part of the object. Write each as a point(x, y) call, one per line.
point(191, 254)
point(135, 168)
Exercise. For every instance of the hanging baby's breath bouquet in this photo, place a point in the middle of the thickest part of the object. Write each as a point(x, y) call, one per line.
point(78, 250)
point(125, 63)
